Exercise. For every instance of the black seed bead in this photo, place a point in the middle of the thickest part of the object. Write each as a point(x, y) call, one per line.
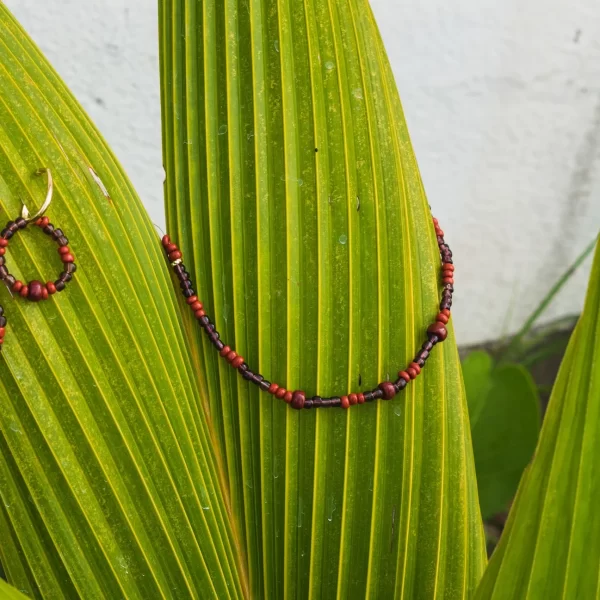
point(3, 272)
point(400, 384)
point(244, 367)
point(1, 311)
point(57, 233)
point(10, 280)
point(433, 338)
point(2, 260)
point(440, 240)
point(257, 378)
point(204, 321)
point(427, 346)
point(21, 223)
point(308, 403)
point(189, 293)
point(186, 285)
point(59, 285)
point(4, 232)
point(377, 394)
point(335, 401)
point(63, 241)
point(2, 321)
point(368, 396)
point(178, 269)
point(71, 268)
point(66, 277)
point(317, 401)
point(247, 375)
point(49, 229)
point(219, 345)
point(264, 385)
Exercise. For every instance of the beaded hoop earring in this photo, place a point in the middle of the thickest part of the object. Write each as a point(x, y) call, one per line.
point(386, 390)
point(35, 291)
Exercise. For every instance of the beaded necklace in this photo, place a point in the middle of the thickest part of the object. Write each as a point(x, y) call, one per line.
point(297, 399)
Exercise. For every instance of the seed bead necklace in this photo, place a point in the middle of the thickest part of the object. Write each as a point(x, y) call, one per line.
point(297, 399)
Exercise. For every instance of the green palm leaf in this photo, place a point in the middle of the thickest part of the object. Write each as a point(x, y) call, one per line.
point(109, 487)
point(551, 545)
point(293, 190)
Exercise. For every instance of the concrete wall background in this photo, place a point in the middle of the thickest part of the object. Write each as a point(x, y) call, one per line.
point(502, 101)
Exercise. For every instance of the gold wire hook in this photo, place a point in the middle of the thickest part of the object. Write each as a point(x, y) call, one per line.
point(25, 212)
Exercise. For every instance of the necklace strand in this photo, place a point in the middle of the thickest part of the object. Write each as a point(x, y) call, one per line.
point(297, 399)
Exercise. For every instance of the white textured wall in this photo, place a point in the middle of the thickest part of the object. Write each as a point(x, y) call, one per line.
point(502, 100)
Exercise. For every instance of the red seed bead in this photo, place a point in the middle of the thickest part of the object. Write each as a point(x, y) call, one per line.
point(196, 306)
point(199, 313)
point(345, 402)
point(34, 291)
point(442, 318)
point(171, 248)
point(45, 222)
point(63, 250)
point(191, 299)
point(1, 341)
point(166, 240)
point(2, 331)
point(388, 390)
point(404, 375)
point(173, 256)
point(232, 354)
point(51, 287)
point(353, 398)
point(411, 372)
point(237, 362)
point(448, 267)
point(416, 367)
point(438, 329)
point(447, 273)
point(38, 221)
point(17, 285)
point(24, 291)
point(446, 312)
point(298, 399)
point(3, 243)
point(287, 397)
point(225, 351)
point(273, 388)
point(280, 393)
point(67, 258)
point(447, 280)
point(2, 251)
point(361, 398)
point(44, 293)
point(435, 221)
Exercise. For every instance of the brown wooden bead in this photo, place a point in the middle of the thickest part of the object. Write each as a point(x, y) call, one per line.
point(442, 318)
point(34, 291)
point(416, 367)
point(298, 399)
point(273, 388)
point(280, 393)
point(438, 329)
point(345, 402)
point(173, 256)
point(51, 287)
point(171, 248)
point(353, 398)
point(412, 373)
point(388, 390)
point(404, 375)
point(237, 362)
point(226, 350)
point(361, 398)
point(166, 240)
